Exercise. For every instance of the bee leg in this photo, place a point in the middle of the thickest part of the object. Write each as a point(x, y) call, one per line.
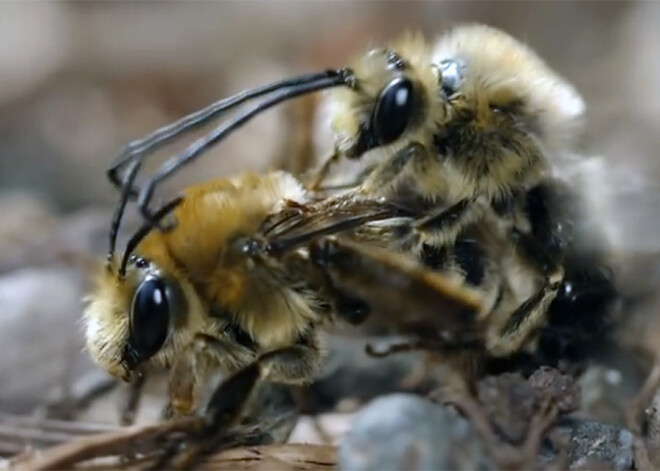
point(225, 408)
point(443, 224)
point(296, 364)
point(524, 321)
point(131, 402)
point(389, 172)
point(318, 175)
point(191, 370)
point(530, 315)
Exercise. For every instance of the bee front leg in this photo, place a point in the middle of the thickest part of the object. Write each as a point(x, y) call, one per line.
point(443, 225)
point(389, 173)
point(223, 412)
point(190, 373)
point(318, 175)
point(131, 402)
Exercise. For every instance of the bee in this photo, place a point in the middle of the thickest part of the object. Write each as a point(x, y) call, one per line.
point(230, 282)
point(477, 129)
point(466, 134)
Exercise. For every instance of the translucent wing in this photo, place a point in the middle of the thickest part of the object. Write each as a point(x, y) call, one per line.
point(298, 225)
point(407, 295)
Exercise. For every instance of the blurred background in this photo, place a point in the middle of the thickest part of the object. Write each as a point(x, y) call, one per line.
point(78, 80)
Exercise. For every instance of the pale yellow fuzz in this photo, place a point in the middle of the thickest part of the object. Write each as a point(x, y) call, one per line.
point(196, 257)
point(502, 69)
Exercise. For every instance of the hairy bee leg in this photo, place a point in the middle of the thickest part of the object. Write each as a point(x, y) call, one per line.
point(529, 316)
point(226, 405)
point(131, 402)
point(318, 175)
point(444, 224)
point(389, 172)
point(293, 365)
point(189, 373)
point(524, 321)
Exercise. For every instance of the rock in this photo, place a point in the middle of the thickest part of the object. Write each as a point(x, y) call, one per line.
point(41, 335)
point(594, 443)
point(27, 59)
point(605, 388)
point(510, 402)
point(329, 429)
point(549, 383)
point(348, 365)
point(404, 431)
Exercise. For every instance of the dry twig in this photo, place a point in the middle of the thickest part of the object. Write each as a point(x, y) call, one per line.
point(121, 442)
point(635, 417)
point(506, 456)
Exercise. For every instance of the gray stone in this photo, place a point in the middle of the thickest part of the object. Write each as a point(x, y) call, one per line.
point(404, 431)
point(595, 442)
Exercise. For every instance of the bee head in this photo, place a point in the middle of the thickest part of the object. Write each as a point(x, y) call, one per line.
point(503, 84)
point(498, 89)
point(130, 320)
point(393, 96)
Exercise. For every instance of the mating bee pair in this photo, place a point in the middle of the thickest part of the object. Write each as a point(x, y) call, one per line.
point(460, 234)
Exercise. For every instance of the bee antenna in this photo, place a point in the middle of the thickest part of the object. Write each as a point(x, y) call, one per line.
point(120, 209)
point(331, 78)
point(141, 148)
point(145, 229)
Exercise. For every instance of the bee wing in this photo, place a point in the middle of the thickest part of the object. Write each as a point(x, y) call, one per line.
point(404, 292)
point(296, 226)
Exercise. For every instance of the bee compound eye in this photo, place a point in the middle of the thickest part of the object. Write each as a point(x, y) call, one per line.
point(394, 110)
point(150, 318)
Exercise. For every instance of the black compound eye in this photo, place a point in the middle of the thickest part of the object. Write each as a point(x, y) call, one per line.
point(150, 318)
point(393, 111)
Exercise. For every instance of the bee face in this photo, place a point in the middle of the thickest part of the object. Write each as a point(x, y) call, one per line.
point(389, 101)
point(133, 319)
point(198, 278)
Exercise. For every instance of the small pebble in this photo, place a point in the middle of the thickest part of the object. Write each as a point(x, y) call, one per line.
point(404, 431)
point(596, 442)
